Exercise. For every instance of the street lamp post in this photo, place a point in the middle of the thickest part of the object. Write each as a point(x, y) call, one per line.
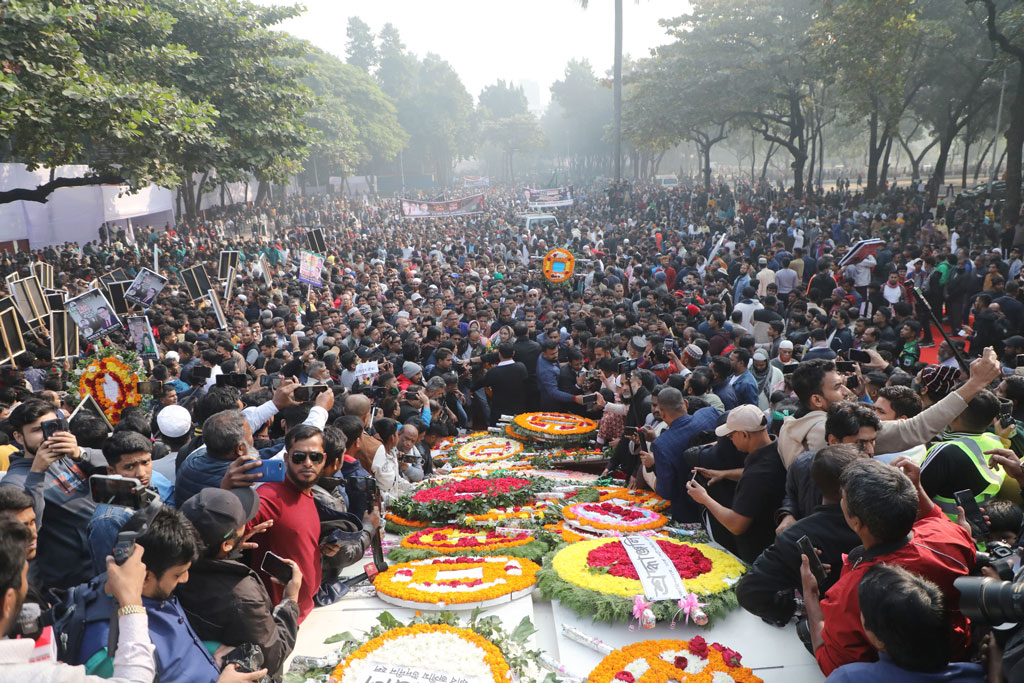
point(995, 136)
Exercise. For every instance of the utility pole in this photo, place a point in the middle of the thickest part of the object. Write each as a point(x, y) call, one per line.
point(995, 136)
point(617, 87)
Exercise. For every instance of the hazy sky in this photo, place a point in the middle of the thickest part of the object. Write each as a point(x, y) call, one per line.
point(484, 41)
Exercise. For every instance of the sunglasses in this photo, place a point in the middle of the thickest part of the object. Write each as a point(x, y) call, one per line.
point(299, 457)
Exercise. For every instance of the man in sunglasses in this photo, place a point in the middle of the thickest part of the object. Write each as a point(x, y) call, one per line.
point(288, 523)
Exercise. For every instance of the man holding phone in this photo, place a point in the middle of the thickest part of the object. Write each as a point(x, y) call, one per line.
point(295, 529)
point(52, 470)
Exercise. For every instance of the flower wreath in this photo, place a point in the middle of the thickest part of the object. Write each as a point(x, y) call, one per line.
point(660, 661)
point(555, 428)
point(610, 516)
point(644, 499)
point(451, 500)
point(597, 578)
point(426, 543)
point(431, 583)
point(478, 647)
point(400, 525)
point(487, 449)
point(121, 367)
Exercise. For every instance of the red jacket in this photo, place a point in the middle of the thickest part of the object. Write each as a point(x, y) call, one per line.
point(937, 549)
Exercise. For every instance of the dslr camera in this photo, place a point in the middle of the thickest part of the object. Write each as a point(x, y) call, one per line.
point(998, 601)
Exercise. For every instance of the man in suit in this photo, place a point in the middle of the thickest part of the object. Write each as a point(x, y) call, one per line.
point(527, 351)
point(509, 382)
point(105, 320)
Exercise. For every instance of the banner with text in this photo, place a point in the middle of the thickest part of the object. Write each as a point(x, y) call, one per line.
point(466, 206)
point(476, 180)
point(549, 199)
point(657, 574)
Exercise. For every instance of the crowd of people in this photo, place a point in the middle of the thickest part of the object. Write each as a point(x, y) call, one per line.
point(743, 357)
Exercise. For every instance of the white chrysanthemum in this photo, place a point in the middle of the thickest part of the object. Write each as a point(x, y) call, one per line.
point(437, 651)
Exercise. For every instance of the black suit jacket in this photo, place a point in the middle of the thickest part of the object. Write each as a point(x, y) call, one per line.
point(509, 388)
point(527, 352)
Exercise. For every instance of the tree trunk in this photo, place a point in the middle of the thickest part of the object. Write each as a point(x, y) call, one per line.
point(1014, 155)
point(821, 155)
point(767, 159)
point(705, 151)
point(876, 147)
point(884, 176)
point(939, 174)
point(981, 160)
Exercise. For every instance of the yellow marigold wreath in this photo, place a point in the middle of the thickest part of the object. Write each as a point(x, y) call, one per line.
point(500, 672)
point(660, 661)
point(424, 581)
point(571, 565)
point(455, 540)
point(555, 424)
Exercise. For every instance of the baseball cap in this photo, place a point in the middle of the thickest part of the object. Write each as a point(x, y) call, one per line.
point(745, 418)
point(1015, 340)
point(216, 513)
point(174, 421)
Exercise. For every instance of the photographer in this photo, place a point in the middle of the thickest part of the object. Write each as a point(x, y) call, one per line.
point(52, 471)
point(883, 505)
point(133, 662)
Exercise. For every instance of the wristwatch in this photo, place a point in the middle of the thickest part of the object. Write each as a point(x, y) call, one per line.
point(131, 609)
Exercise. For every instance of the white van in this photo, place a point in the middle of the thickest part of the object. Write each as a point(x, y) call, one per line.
point(535, 220)
point(666, 180)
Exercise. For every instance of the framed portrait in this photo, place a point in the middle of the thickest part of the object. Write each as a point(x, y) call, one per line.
point(93, 314)
point(10, 336)
point(63, 336)
point(228, 260)
point(31, 301)
point(315, 241)
point(145, 288)
point(44, 272)
point(141, 333)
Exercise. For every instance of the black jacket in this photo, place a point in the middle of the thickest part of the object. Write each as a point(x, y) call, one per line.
point(767, 589)
point(527, 352)
point(227, 602)
point(510, 385)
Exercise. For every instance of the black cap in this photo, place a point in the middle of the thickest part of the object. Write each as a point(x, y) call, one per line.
point(216, 513)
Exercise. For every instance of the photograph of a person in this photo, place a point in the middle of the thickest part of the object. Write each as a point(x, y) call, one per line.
point(142, 336)
point(93, 314)
point(145, 288)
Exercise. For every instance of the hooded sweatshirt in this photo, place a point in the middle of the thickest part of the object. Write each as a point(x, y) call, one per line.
point(799, 434)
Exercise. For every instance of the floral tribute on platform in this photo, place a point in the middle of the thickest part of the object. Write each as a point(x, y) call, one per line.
point(400, 525)
point(439, 582)
point(437, 647)
point(625, 496)
point(552, 428)
point(447, 501)
point(454, 540)
point(598, 517)
point(597, 578)
point(660, 661)
point(488, 449)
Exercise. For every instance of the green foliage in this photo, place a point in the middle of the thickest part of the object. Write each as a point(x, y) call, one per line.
point(357, 122)
point(360, 47)
point(88, 83)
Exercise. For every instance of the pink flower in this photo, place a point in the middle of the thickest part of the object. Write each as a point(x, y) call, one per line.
point(625, 676)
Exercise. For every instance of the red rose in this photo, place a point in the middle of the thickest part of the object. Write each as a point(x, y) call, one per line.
point(699, 647)
point(681, 662)
point(625, 676)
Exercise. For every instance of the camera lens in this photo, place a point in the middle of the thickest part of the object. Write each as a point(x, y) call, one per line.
point(991, 600)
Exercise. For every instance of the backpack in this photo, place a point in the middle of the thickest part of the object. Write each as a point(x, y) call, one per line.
point(79, 607)
point(933, 285)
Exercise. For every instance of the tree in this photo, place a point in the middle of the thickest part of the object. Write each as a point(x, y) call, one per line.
point(760, 53)
point(85, 83)
point(362, 53)
point(580, 111)
point(507, 122)
point(251, 75)
point(357, 122)
point(876, 49)
point(1004, 26)
point(438, 115)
